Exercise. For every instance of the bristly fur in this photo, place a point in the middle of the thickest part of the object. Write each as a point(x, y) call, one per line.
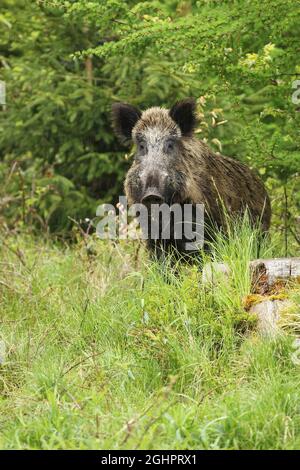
point(192, 172)
point(158, 118)
point(124, 117)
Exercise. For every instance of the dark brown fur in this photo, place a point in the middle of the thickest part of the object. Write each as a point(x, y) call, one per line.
point(195, 174)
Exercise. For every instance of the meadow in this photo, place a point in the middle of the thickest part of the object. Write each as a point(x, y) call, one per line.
point(102, 351)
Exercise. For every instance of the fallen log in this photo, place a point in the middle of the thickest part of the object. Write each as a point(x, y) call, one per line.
point(268, 277)
point(268, 274)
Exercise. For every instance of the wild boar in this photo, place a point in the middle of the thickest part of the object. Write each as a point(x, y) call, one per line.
point(172, 166)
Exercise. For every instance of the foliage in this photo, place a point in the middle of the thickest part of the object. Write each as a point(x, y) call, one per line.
point(56, 124)
point(72, 59)
point(246, 52)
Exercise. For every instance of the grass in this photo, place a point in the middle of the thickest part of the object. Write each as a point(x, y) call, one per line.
point(102, 352)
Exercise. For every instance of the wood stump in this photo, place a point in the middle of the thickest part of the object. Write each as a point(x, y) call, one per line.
point(269, 277)
point(268, 274)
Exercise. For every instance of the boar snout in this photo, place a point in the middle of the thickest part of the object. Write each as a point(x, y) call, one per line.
point(154, 187)
point(152, 196)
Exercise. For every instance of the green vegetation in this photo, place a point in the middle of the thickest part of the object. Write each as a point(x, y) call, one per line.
point(65, 63)
point(102, 352)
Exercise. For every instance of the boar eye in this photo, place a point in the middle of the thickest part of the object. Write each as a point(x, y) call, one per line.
point(170, 145)
point(141, 146)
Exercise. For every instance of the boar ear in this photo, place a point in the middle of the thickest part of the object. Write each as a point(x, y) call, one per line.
point(184, 114)
point(124, 117)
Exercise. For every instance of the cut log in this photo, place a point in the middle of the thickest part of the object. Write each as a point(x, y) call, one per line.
point(266, 273)
point(268, 314)
point(269, 278)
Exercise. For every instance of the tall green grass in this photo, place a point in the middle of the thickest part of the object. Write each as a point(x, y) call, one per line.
point(103, 352)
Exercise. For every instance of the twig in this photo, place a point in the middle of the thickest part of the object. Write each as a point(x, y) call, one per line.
point(17, 252)
point(297, 238)
point(153, 421)
point(2, 283)
point(14, 321)
point(81, 362)
point(285, 221)
point(15, 164)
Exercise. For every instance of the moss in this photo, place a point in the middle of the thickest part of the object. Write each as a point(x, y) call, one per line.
point(253, 299)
